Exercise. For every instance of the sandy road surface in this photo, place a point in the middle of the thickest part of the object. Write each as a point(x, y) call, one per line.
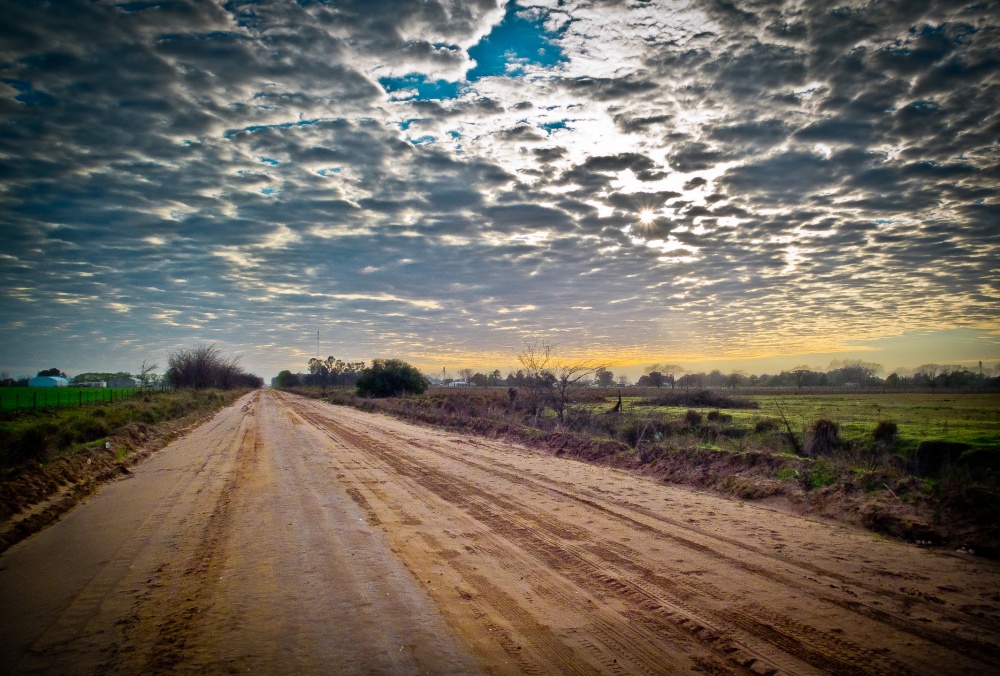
point(287, 535)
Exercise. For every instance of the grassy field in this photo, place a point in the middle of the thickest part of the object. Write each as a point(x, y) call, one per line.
point(22, 398)
point(968, 418)
point(46, 434)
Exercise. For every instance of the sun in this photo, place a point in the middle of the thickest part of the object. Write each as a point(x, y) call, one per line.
point(647, 216)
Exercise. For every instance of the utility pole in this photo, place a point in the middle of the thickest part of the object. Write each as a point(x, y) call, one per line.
point(317, 345)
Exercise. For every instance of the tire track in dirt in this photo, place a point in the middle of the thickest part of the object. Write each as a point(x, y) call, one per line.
point(192, 584)
point(672, 617)
point(658, 604)
point(646, 653)
point(988, 653)
point(601, 502)
point(651, 642)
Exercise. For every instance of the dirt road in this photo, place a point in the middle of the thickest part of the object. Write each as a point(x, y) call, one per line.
point(290, 536)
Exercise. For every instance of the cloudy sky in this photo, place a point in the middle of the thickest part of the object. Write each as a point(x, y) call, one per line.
point(764, 183)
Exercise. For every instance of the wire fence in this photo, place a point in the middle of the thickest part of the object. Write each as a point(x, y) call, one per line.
point(38, 398)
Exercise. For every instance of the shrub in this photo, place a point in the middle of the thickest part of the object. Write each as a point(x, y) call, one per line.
point(823, 438)
point(203, 366)
point(390, 378)
point(931, 457)
point(90, 429)
point(692, 418)
point(700, 398)
point(886, 432)
point(766, 425)
point(29, 443)
point(636, 431)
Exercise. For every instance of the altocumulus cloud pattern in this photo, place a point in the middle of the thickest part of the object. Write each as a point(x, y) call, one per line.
point(437, 179)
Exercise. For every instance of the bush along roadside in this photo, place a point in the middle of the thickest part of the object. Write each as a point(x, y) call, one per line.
point(61, 455)
point(931, 492)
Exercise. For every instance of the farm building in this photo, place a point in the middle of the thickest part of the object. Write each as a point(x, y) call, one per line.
point(123, 381)
point(48, 381)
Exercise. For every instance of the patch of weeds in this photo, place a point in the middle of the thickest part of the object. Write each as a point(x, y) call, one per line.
point(692, 418)
point(718, 416)
point(766, 425)
point(787, 473)
point(818, 475)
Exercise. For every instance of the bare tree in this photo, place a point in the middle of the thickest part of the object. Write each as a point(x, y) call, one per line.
point(204, 366)
point(536, 377)
point(466, 374)
point(146, 373)
point(549, 381)
point(568, 377)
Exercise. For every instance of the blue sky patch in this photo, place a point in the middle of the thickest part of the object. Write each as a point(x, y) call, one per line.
point(426, 90)
point(29, 96)
point(259, 127)
point(268, 160)
point(328, 171)
point(422, 140)
point(405, 124)
point(514, 42)
point(550, 127)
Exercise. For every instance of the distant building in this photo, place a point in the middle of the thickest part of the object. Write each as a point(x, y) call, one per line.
point(92, 383)
point(458, 383)
point(122, 381)
point(48, 381)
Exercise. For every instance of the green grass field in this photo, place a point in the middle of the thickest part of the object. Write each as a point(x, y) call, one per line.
point(969, 418)
point(27, 398)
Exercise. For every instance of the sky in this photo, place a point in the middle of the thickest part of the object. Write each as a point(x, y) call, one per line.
point(733, 184)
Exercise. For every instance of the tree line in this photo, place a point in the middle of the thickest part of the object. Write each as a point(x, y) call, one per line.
point(540, 373)
point(840, 374)
point(384, 378)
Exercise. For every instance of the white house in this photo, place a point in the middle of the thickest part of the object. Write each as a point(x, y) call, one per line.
point(48, 381)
